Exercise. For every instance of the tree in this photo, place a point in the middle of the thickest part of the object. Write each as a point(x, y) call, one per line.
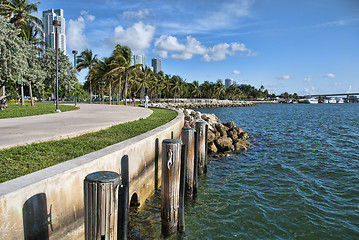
point(121, 63)
point(32, 35)
point(147, 75)
point(67, 72)
point(196, 92)
point(14, 55)
point(87, 60)
point(19, 11)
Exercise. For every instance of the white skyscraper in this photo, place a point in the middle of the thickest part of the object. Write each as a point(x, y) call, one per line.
point(157, 65)
point(228, 82)
point(49, 30)
point(138, 59)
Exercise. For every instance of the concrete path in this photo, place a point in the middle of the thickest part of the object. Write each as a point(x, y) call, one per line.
point(89, 118)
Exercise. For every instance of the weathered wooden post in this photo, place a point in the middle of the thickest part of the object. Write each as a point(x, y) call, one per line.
point(201, 147)
point(101, 196)
point(188, 139)
point(181, 223)
point(171, 166)
point(195, 167)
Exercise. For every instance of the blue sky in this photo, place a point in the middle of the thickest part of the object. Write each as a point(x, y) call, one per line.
point(301, 46)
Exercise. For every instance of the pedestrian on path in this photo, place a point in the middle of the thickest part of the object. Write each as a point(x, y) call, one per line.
point(133, 99)
point(146, 101)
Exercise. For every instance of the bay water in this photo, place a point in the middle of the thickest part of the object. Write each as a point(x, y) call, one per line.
point(298, 180)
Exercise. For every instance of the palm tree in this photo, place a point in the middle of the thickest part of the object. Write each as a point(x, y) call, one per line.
point(219, 89)
point(147, 76)
point(31, 34)
point(196, 92)
point(87, 60)
point(101, 68)
point(177, 84)
point(19, 11)
point(121, 63)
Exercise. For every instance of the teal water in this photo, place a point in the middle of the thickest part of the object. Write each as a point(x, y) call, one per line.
point(299, 179)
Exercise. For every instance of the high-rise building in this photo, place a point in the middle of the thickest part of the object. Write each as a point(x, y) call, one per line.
point(138, 59)
point(157, 64)
point(49, 30)
point(228, 82)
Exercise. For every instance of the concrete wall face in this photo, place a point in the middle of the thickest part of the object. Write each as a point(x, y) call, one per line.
point(49, 204)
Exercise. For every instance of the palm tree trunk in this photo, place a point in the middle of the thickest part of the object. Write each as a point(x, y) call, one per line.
point(90, 92)
point(32, 99)
point(22, 95)
point(3, 90)
point(119, 92)
point(125, 87)
point(110, 93)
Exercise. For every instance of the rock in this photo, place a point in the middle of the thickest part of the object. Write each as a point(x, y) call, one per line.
point(230, 124)
point(243, 135)
point(187, 118)
point(240, 144)
point(211, 136)
point(224, 144)
point(212, 147)
point(221, 129)
point(232, 133)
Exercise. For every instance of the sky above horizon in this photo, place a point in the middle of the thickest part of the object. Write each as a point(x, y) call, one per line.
point(295, 46)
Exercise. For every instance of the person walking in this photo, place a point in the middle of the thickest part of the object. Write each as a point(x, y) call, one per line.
point(146, 101)
point(133, 99)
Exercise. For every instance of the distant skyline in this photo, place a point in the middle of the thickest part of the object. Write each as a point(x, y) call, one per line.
point(302, 46)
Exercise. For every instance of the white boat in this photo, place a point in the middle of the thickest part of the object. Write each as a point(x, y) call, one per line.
point(326, 101)
point(341, 100)
point(311, 100)
point(332, 100)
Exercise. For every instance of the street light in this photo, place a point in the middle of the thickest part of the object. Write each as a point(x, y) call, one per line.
point(75, 52)
point(56, 24)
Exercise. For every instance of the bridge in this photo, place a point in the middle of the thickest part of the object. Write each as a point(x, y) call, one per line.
point(349, 96)
point(332, 94)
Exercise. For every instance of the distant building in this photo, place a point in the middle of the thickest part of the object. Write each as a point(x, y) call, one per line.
point(138, 59)
point(228, 82)
point(157, 65)
point(49, 30)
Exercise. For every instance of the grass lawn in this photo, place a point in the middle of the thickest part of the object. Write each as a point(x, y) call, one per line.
point(22, 160)
point(16, 110)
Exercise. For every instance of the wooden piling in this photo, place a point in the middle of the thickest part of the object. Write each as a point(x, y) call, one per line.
point(188, 139)
point(201, 147)
point(101, 205)
point(181, 223)
point(170, 190)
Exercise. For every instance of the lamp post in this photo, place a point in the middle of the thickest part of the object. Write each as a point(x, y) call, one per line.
point(56, 24)
point(75, 52)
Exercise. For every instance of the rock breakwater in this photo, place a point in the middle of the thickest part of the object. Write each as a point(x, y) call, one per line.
point(222, 138)
point(203, 104)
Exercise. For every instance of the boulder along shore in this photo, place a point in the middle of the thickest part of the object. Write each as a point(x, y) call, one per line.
point(222, 138)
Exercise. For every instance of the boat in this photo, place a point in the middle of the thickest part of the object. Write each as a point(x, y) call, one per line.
point(341, 100)
point(311, 100)
point(326, 101)
point(332, 100)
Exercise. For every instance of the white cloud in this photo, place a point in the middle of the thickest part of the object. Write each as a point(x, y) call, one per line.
point(169, 46)
point(308, 79)
point(225, 13)
point(236, 72)
point(138, 37)
point(76, 38)
point(285, 77)
point(329, 75)
point(135, 15)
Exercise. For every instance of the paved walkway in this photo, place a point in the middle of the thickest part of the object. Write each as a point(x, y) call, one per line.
point(89, 118)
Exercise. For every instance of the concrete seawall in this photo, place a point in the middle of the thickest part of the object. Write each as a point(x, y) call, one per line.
point(49, 204)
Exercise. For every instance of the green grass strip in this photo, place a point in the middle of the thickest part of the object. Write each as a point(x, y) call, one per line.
point(22, 160)
point(16, 110)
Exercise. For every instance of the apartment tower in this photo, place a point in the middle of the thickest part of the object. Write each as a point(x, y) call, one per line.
point(49, 30)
